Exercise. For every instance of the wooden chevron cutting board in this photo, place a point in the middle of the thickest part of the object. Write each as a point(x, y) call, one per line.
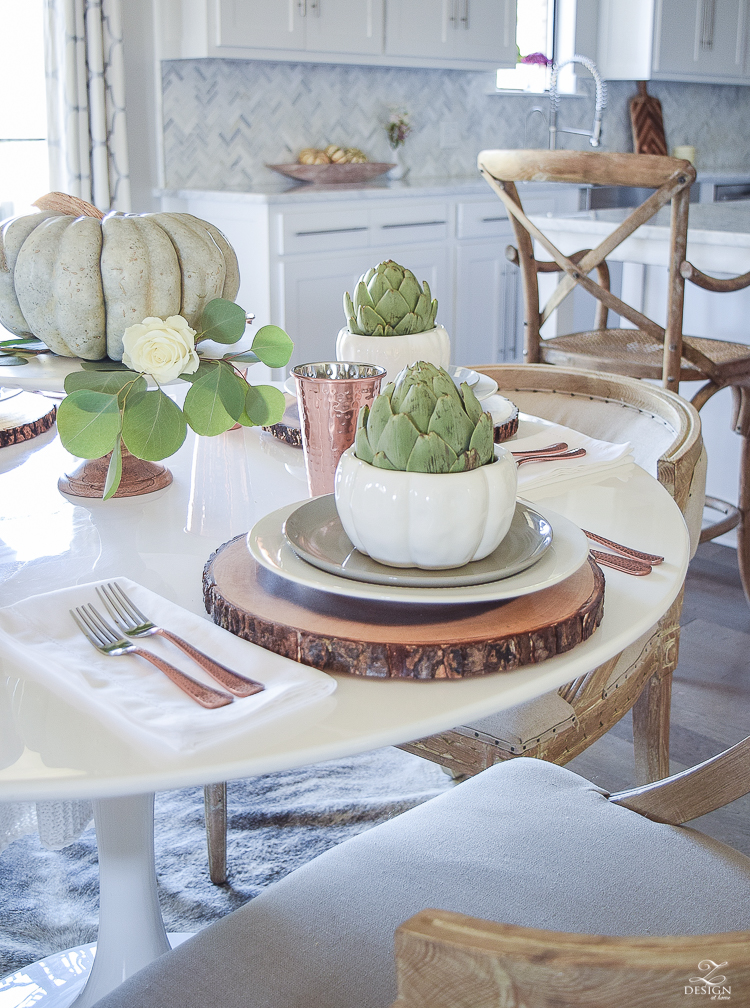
point(647, 122)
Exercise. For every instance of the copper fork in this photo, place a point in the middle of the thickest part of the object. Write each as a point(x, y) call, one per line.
point(108, 641)
point(129, 619)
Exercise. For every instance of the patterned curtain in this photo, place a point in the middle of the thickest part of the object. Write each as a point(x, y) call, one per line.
point(86, 101)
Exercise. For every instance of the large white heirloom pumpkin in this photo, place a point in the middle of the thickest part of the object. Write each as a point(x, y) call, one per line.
point(76, 280)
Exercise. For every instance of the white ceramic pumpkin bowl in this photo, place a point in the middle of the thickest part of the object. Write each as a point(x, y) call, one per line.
point(394, 353)
point(428, 520)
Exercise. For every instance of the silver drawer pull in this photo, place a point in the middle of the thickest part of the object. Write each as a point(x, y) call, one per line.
point(491, 220)
point(424, 223)
point(307, 234)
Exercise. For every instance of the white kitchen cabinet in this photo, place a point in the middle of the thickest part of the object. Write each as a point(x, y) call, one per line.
point(488, 304)
point(311, 291)
point(451, 34)
point(310, 299)
point(681, 40)
point(334, 26)
point(453, 29)
point(299, 252)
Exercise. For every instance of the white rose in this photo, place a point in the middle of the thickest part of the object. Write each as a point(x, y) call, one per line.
point(163, 348)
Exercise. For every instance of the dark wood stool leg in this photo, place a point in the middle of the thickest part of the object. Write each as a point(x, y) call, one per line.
point(215, 803)
point(741, 423)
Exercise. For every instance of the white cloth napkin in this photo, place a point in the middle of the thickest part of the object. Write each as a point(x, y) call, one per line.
point(131, 696)
point(602, 460)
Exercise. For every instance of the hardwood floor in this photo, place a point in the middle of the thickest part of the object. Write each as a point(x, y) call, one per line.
point(711, 692)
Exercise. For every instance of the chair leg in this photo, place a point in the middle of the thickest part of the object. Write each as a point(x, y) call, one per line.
point(215, 803)
point(651, 728)
point(743, 528)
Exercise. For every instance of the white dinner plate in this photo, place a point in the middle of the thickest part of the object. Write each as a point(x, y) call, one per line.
point(315, 533)
point(482, 386)
point(268, 545)
point(463, 374)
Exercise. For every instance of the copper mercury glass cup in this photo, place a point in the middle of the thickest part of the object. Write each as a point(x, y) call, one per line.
point(330, 395)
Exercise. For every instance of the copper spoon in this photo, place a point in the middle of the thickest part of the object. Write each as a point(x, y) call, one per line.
point(649, 558)
point(573, 453)
point(550, 449)
point(621, 563)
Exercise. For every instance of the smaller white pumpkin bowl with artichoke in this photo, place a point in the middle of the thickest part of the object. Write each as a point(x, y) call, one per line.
point(430, 520)
point(394, 353)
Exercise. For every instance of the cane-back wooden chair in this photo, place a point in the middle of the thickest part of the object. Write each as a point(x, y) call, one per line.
point(527, 845)
point(651, 350)
point(664, 431)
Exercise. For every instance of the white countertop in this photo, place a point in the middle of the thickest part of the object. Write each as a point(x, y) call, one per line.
point(285, 191)
point(718, 235)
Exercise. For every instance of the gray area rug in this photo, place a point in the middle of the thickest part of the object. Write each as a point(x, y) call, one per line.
point(49, 899)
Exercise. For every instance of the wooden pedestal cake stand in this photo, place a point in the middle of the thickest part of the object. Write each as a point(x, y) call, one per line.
point(138, 477)
point(47, 372)
point(23, 415)
point(394, 641)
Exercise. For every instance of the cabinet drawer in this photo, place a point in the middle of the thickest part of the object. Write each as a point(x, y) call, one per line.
point(423, 223)
point(482, 220)
point(323, 231)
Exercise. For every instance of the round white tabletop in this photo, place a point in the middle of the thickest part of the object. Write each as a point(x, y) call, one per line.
point(222, 485)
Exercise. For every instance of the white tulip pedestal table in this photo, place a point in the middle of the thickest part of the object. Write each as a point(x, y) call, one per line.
point(221, 487)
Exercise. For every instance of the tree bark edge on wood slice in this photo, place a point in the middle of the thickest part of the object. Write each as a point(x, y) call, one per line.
point(350, 650)
point(289, 429)
point(28, 415)
point(507, 429)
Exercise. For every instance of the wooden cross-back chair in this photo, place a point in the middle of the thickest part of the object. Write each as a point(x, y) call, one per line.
point(664, 432)
point(633, 352)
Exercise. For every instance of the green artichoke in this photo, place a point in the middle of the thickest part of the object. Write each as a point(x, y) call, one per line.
point(422, 423)
point(388, 301)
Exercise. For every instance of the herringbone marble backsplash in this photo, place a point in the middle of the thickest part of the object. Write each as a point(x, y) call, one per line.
point(224, 120)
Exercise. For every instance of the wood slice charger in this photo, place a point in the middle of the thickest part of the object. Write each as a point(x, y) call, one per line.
point(289, 428)
point(386, 640)
point(23, 415)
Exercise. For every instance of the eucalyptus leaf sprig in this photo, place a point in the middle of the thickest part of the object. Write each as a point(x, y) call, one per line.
point(109, 403)
point(16, 352)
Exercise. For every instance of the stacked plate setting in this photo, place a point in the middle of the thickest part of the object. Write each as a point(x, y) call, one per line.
point(306, 544)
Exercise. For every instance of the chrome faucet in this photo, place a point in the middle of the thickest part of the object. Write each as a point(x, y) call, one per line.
point(527, 120)
point(600, 104)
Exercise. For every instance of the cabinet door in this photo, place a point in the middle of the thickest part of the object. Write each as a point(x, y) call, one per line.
point(311, 292)
point(344, 26)
point(484, 30)
point(488, 305)
point(453, 29)
point(311, 297)
point(260, 24)
point(432, 263)
point(701, 37)
point(420, 28)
